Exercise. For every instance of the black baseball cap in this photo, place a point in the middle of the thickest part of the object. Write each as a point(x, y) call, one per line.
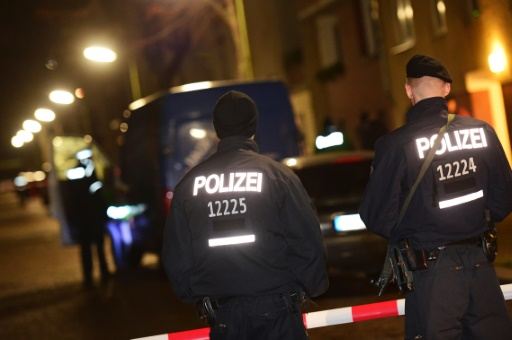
point(421, 65)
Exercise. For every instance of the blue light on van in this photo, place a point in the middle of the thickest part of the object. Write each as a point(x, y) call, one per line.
point(348, 222)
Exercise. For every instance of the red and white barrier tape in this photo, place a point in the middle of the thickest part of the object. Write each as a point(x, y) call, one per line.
point(329, 317)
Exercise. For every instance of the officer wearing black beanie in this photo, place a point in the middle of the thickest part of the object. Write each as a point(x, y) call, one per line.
point(447, 224)
point(235, 115)
point(242, 240)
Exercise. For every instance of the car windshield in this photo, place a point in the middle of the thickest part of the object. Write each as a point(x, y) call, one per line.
point(335, 185)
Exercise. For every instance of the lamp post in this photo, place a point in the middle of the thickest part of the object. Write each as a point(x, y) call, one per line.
point(102, 54)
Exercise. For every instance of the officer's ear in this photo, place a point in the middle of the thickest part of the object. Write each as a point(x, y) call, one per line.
point(408, 90)
point(446, 89)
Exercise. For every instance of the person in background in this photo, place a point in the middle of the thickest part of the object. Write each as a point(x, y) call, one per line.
point(86, 214)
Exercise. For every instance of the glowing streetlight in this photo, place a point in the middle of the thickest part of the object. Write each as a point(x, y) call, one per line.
point(441, 6)
point(44, 115)
point(100, 54)
point(497, 60)
point(62, 97)
point(25, 136)
point(17, 141)
point(31, 126)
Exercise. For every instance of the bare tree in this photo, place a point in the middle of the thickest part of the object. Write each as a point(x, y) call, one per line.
point(165, 32)
point(177, 27)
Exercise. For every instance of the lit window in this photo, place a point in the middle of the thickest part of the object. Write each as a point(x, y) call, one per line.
point(403, 25)
point(370, 26)
point(329, 47)
point(328, 43)
point(438, 9)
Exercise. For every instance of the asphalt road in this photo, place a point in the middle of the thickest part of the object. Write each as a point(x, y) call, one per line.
point(41, 294)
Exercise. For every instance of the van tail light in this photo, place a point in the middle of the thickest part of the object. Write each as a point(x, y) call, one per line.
point(350, 159)
point(168, 195)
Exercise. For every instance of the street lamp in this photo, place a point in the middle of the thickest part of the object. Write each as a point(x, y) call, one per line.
point(44, 115)
point(100, 54)
point(25, 136)
point(61, 97)
point(17, 141)
point(31, 126)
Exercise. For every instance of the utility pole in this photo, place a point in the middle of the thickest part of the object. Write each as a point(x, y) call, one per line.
point(245, 61)
point(238, 26)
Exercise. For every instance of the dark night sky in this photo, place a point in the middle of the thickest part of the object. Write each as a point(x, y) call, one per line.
point(25, 44)
point(32, 34)
point(35, 31)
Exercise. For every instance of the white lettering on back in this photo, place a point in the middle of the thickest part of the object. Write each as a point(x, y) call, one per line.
point(465, 139)
point(215, 188)
point(199, 183)
point(237, 182)
point(423, 145)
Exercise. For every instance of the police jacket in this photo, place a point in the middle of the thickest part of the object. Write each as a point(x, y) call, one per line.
point(85, 207)
point(469, 174)
point(242, 224)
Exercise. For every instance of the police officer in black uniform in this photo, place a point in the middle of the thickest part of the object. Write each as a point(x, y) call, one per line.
point(242, 240)
point(86, 213)
point(456, 293)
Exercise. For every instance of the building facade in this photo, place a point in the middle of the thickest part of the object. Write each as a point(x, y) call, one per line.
point(355, 51)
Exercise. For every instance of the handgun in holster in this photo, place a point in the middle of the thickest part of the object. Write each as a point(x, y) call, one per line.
point(397, 267)
point(405, 262)
point(490, 238)
point(206, 310)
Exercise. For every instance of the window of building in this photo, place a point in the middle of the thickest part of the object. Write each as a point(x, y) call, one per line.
point(328, 40)
point(473, 8)
point(403, 25)
point(329, 46)
point(370, 22)
point(438, 10)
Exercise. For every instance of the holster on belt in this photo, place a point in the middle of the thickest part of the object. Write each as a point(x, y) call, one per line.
point(415, 259)
point(397, 267)
point(207, 306)
point(298, 299)
point(490, 239)
point(206, 310)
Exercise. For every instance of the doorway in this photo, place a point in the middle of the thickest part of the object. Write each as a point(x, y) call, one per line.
point(488, 103)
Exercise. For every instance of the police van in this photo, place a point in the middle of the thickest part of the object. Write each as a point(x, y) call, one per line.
point(170, 132)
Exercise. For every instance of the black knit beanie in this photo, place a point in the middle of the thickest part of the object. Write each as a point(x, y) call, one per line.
point(235, 114)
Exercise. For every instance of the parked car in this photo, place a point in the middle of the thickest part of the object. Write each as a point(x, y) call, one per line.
point(336, 183)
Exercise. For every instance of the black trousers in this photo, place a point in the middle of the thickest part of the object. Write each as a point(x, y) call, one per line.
point(86, 259)
point(458, 297)
point(261, 318)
